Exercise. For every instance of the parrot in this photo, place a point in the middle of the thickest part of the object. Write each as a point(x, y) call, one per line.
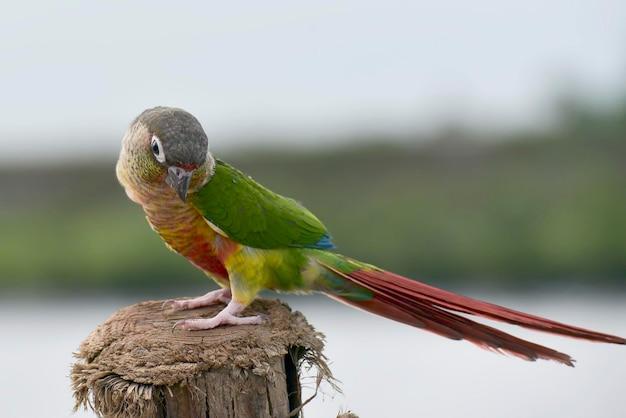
point(248, 239)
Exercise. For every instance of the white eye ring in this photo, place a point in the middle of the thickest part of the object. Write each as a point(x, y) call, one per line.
point(157, 149)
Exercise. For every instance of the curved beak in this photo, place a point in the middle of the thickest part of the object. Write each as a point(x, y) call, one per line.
point(179, 178)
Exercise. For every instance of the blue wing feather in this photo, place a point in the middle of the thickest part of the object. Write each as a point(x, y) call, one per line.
point(325, 243)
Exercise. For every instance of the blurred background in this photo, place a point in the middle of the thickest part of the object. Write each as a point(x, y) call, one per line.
point(477, 146)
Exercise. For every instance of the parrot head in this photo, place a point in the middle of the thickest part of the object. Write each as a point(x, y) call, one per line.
point(166, 145)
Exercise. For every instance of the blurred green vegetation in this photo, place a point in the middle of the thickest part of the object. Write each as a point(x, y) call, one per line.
point(515, 210)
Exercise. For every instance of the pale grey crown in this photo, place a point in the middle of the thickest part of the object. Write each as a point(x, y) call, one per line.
point(183, 139)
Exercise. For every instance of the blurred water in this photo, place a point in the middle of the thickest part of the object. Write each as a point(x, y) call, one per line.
point(386, 369)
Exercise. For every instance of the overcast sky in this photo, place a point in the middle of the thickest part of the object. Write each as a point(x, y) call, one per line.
point(73, 74)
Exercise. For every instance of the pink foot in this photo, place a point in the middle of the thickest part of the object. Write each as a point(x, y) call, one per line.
point(211, 298)
point(225, 317)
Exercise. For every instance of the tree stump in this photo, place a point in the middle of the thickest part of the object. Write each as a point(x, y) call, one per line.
point(136, 365)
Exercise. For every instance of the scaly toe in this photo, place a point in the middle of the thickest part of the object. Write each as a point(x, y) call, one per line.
point(176, 305)
point(198, 324)
point(219, 319)
point(191, 324)
point(244, 320)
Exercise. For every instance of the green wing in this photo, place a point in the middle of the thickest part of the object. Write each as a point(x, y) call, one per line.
point(255, 216)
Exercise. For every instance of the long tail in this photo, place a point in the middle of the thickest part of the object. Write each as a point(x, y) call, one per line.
point(427, 307)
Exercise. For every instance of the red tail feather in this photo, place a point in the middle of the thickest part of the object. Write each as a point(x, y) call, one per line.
point(423, 306)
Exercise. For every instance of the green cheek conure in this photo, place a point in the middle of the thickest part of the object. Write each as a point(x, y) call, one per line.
point(248, 238)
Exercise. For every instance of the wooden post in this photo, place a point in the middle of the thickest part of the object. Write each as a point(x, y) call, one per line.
point(136, 365)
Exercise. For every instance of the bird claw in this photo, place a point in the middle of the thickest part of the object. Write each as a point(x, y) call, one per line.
point(177, 324)
point(222, 318)
point(211, 298)
point(177, 305)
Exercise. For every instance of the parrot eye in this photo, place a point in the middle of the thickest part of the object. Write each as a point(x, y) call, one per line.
point(157, 149)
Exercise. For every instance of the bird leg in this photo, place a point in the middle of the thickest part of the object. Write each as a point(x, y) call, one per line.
point(226, 316)
point(211, 298)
